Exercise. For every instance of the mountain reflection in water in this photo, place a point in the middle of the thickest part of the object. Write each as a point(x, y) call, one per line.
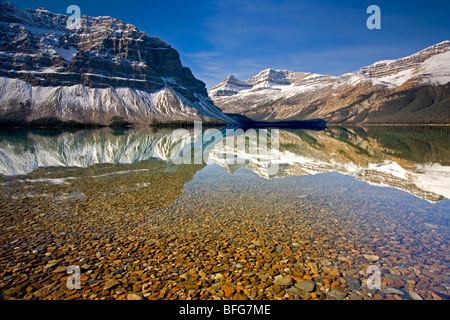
point(413, 159)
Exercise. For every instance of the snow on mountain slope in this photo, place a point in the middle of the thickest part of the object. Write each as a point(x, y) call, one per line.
point(99, 105)
point(431, 65)
point(436, 70)
point(102, 70)
point(351, 97)
point(229, 86)
point(268, 78)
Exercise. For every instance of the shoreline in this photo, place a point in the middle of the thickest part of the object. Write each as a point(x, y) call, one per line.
point(297, 124)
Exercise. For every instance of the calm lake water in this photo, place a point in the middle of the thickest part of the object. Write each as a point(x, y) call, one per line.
point(177, 214)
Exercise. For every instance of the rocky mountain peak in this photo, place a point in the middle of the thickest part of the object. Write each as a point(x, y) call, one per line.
point(379, 93)
point(409, 66)
point(232, 80)
point(229, 86)
point(269, 77)
point(103, 54)
point(38, 40)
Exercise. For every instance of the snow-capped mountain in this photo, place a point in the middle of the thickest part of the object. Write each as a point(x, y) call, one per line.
point(104, 69)
point(230, 86)
point(413, 89)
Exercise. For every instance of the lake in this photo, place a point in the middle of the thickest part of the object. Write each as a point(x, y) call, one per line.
point(202, 213)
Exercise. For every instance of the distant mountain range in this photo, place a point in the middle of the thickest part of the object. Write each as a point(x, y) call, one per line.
point(107, 72)
point(409, 90)
point(103, 71)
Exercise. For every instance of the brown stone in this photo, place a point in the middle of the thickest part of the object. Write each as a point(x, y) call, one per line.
point(414, 295)
point(60, 270)
point(135, 296)
point(240, 296)
point(371, 257)
point(332, 272)
point(136, 288)
point(313, 267)
point(111, 284)
point(188, 285)
point(283, 281)
point(276, 288)
point(228, 290)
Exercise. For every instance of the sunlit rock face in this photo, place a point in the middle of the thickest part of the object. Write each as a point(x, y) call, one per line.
point(105, 68)
point(413, 89)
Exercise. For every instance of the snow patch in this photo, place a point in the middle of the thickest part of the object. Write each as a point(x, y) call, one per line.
point(67, 54)
point(434, 178)
point(389, 167)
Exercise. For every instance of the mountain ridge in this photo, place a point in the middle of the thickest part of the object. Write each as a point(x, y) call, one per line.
point(411, 89)
point(52, 65)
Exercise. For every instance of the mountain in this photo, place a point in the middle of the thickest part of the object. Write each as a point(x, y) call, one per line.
point(414, 160)
point(104, 70)
point(413, 89)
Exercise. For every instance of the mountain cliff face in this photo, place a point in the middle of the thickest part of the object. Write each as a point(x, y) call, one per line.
point(103, 69)
point(414, 89)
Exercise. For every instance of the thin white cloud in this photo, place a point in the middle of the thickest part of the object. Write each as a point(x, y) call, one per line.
point(202, 54)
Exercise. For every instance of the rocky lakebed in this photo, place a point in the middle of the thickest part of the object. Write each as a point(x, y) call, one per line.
point(151, 231)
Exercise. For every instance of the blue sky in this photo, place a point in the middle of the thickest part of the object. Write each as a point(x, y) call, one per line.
point(218, 38)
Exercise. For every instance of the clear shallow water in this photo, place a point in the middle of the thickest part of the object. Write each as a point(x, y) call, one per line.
point(339, 196)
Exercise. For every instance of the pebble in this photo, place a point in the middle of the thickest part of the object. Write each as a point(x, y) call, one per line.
point(135, 296)
point(283, 281)
point(293, 291)
point(240, 296)
point(111, 284)
point(60, 270)
point(313, 267)
point(390, 290)
point(334, 294)
point(352, 283)
point(414, 295)
point(306, 285)
point(371, 257)
point(325, 262)
point(228, 290)
point(332, 272)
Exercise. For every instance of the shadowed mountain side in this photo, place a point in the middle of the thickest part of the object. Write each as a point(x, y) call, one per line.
point(93, 74)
